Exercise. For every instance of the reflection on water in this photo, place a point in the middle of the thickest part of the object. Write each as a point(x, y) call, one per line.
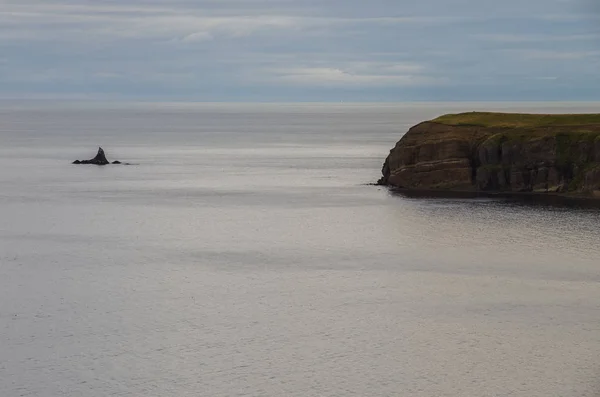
point(527, 199)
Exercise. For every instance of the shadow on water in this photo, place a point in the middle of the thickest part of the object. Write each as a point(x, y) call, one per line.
point(519, 199)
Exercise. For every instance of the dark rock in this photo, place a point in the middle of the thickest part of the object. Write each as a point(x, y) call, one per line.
point(591, 178)
point(541, 179)
point(430, 156)
point(116, 162)
point(385, 171)
point(100, 159)
point(596, 153)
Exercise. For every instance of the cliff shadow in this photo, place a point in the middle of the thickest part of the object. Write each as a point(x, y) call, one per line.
point(514, 198)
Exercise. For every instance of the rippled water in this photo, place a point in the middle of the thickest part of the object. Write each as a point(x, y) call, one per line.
point(245, 255)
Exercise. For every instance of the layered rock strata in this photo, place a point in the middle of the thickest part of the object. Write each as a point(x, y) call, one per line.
point(493, 156)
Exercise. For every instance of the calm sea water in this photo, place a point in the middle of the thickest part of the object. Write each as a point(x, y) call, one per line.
point(245, 255)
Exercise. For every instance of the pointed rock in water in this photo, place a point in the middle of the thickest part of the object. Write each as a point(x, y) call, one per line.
point(100, 159)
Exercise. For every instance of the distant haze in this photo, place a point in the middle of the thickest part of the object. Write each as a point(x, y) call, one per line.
point(300, 50)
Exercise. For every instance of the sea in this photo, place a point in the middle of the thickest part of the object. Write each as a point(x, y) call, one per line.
point(246, 253)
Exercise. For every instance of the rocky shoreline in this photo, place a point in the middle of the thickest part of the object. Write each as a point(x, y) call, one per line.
point(499, 152)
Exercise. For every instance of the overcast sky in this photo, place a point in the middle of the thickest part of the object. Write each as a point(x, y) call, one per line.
point(300, 50)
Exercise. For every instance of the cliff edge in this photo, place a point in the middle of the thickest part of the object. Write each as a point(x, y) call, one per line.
point(503, 152)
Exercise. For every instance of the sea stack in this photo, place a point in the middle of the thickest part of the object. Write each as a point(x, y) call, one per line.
point(100, 159)
point(499, 152)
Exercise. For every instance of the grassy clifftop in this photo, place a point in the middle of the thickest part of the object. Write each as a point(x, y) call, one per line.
point(520, 120)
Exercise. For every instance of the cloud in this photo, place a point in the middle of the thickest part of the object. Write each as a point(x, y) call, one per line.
point(131, 22)
point(197, 37)
point(303, 49)
point(32, 26)
point(330, 76)
point(569, 17)
point(539, 38)
point(550, 55)
point(353, 74)
point(107, 75)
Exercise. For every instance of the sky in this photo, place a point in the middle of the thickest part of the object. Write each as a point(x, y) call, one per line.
point(300, 50)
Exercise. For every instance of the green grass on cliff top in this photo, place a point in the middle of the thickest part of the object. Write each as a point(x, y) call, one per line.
point(517, 120)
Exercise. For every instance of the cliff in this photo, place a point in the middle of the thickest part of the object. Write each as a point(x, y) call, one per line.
point(500, 152)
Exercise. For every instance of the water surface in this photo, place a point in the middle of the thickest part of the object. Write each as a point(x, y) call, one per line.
point(246, 256)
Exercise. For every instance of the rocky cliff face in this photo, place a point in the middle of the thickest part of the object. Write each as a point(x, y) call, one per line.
point(488, 158)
